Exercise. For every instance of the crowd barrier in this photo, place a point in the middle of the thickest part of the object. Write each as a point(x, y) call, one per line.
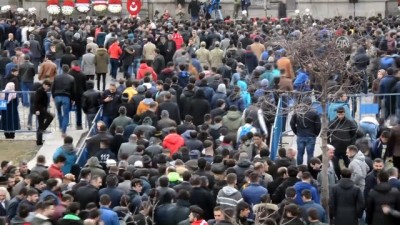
point(82, 150)
point(386, 106)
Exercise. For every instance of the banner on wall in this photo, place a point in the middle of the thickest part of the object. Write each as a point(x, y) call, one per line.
point(134, 7)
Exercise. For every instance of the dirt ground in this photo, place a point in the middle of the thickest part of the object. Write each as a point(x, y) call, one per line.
point(18, 150)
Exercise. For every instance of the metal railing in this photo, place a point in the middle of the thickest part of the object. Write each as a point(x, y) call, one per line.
point(82, 150)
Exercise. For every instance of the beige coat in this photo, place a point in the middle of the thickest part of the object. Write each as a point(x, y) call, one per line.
point(216, 56)
point(204, 56)
point(149, 51)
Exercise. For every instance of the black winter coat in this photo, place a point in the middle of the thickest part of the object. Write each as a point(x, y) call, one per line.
point(306, 124)
point(85, 195)
point(172, 109)
point(346, 203)
point(204, 199)
point(91, 101)
point(198, 107)
point(172, 213)
point(80, 83)
point(279, 193)
point(382, 194)
point(342, 133)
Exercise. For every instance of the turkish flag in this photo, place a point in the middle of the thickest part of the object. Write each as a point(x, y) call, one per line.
point(133, 7)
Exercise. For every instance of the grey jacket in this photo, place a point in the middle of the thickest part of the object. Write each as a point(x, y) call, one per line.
point(359, 170)
point(126, 148)
point(88, 66)
point(229, 197)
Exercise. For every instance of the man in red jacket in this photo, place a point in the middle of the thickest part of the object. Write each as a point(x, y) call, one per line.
point(177, 37)
point(144, 69)
point(55, 168)
point(115, 53)
point(173, 141)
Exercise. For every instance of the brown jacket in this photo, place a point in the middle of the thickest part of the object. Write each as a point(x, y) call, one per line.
point(285, 64)
point(285, 84)
point(258, 49)
point(47, 70)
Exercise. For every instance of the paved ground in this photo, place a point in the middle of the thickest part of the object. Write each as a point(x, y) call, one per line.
point(54, 140)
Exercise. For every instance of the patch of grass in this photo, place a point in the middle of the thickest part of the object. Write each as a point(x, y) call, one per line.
point(18, 150)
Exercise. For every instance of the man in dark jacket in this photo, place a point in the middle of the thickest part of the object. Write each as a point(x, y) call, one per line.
point(194, 9)
point(279, 193)
point(250, 60)
point(371, 179)
point(90, 101)
point(80, 88)
point(36, 51)
point(26, 74)
point(386, 86)
point(361, 61)
point(346, 202)
point(201, 197)
point(306, 125)
point(93, 143)
point(173, 213)
point(40, 105)
point(159, 62)
point(112, 190)
point(382, 194)
point(63, 91)
point(171, 107)
point(110, 99)
point(342, 133)
point(89, 193)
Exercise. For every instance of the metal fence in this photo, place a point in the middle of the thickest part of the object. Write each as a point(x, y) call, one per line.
point(82, 150)
point(386, 106)
point(15, 117)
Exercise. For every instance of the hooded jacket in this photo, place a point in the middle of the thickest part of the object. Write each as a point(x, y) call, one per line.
point(68, 151)
point(236, 99)
point(229, 197)
point(70, 219)
point(346, 202)
point(95, 168)
point(101, 60)
point(143, 69)
point(244, 93)
point(144, 105)
point(240, 168)
point(173, 142)
point(382, 194)
point(359, 170)
point(233, 120)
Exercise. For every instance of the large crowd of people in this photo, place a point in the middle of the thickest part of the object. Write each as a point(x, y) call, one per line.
point(186, 121)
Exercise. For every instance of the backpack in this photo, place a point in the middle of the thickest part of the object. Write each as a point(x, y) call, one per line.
point(245, 130)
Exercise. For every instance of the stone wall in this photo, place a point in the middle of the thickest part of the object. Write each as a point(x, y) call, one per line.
point(319, 8)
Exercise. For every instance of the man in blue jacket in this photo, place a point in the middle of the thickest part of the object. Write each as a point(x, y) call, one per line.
point(253, 192)
point(305, 184)
point(309, 204)
point(107, 215)
point(111, 190)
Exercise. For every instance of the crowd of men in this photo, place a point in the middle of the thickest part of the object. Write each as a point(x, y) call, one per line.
point(183, 137)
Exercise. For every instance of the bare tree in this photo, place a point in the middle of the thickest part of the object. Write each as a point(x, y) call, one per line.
point(319, 53)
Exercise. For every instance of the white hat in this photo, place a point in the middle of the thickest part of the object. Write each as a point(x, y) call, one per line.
point(111, 162)
point(138, 164)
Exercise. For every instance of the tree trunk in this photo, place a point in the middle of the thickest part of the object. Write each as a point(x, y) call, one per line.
point(324, 147)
